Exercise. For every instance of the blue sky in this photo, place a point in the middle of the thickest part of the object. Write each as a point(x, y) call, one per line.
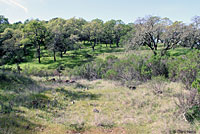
point(126, 10)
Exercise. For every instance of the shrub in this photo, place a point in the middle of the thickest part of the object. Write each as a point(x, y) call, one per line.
point(196, 85)
point(158, 84)
point(193, 114)
point(110, 74)
point(157, 66)
point(173, 67)
point(122, 70)
point(133, 68)
point(111, 60)
point(127, 69)
point(35, 71)
point(78, 127)
point(189, 104)
point(185, 68)
point(90, 71)
point(138, 68)
point(14, 78)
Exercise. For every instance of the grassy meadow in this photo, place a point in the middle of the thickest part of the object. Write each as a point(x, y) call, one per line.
point(40, 105)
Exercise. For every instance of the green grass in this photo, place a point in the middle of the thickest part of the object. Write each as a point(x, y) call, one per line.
point(179, 51)
point(70, 59)
point(81, 56)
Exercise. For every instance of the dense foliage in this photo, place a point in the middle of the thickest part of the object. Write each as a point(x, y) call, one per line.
point(60, 35)
point(152, 30)
point(142, 68)
point(55, 35)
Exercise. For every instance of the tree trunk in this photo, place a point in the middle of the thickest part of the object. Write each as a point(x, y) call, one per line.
point(152, 47)
point(192, 46)
point(18, 68)
point(54, 56)
point(93, 46)
point(24, 49)
point(117, 43)
point(38, 51)
point(65, 51)
point(156, 47)
point(154, 52)
point(110, 44)
point(96, 41)
point(164, 51)
point(61, 54)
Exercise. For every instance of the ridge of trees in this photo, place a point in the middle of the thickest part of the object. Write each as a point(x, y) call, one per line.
point(152, 30)
point(59, 35)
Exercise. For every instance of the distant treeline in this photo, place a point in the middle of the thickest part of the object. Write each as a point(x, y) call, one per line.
point(59, 35)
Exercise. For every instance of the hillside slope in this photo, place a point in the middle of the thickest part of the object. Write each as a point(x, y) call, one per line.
point(88, 107)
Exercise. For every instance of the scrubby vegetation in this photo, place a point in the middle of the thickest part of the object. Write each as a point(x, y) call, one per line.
point(74, 76)
point(142, 68)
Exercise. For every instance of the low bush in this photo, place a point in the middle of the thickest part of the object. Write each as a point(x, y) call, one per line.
point(189, 104)
point(158, 65)
point(38, 71)
point(126, 69)
point(196, 85)
point(111, 74)
point(193, 114)
point(90, 71)
point(158, 84)
point(10, 77)
point(143, 68)
point(185, 68)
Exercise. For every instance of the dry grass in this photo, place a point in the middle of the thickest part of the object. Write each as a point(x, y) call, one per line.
point(106, 107)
